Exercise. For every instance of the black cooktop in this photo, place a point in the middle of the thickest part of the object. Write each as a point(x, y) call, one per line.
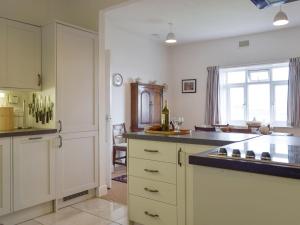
point(260, 150)
point(272, 155)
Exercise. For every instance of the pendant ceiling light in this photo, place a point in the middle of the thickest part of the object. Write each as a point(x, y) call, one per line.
point(171, 38)
point(280, 18)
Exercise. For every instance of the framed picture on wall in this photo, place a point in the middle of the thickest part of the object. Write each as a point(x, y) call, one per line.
point(189, 86)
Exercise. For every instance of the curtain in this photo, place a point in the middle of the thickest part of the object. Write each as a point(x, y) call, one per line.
point(294, 93)
point(212, 96)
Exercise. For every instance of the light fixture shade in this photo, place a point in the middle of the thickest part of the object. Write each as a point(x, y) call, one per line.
point(280, 19)
point(171, 39)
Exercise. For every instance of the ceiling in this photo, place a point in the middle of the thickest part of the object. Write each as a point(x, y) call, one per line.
point(198, 20)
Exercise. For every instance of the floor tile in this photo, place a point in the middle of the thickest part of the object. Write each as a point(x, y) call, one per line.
point(31, 222)
point(123, 221)
point(102, 208)
point(72, 216)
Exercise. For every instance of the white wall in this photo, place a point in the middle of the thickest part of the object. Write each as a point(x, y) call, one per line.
point(191, 61)
point(133, 56)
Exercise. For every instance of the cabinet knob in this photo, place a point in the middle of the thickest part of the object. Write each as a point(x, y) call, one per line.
point(60, 141)
point(151, 215)
point(179, 157)
point(35, 138)
point(151, 190)
point(151, 151)
point(39, 80)
point(151, 171)
point(60, 126)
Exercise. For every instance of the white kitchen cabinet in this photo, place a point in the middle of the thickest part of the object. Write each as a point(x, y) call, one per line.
point(21, 60)
point(2, 52)
point(70, 67)
point(77, 79)
point(5, 176)
point(34, 170)
point(77, 163)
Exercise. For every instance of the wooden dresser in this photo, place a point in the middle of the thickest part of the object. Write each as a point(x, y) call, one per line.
point(146, 105)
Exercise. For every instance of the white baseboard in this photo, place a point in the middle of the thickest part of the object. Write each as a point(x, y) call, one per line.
point(102, 190)
point(27, 214)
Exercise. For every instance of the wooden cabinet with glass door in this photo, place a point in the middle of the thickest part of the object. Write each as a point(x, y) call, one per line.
point(146, 105)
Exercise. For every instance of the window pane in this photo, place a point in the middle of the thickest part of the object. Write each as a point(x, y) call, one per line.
point(280, 73)
point(280, 107)
point(236, 77)
point(236, 96)
point(255, 76)
point(259, 102)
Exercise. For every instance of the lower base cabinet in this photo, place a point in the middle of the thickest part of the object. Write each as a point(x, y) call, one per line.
point(5, 180)
point(161, 182)
point(77, 163)
point(34, 170)
point(149, 212)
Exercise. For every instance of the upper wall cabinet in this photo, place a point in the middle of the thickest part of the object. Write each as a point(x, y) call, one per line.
point(20, 46)
point(2, 52)
point(77, 56)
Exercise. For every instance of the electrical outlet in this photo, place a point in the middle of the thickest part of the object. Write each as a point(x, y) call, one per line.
point(12, 99)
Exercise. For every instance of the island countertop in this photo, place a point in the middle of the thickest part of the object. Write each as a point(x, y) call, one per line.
point(195, 137)
point(284, 151)
point(26, 132)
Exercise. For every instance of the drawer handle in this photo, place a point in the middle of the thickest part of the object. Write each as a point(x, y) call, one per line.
point(151, 190)
point(151, 171)
point(35, 138)
point(151, 151)
point(151, 215)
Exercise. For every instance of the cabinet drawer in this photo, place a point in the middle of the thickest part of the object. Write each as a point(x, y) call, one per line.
point(153, 170)
point(153, 150)
point(155, 190)
point(149, 212)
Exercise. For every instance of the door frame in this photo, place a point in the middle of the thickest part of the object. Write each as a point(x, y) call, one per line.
point(104, 109)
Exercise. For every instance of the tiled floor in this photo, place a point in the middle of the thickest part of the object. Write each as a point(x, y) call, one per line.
point(91, 212)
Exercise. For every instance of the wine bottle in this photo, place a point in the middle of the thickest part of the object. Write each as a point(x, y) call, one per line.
point(165, 117)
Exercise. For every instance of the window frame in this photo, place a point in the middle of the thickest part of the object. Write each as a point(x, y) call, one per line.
point(227, 86)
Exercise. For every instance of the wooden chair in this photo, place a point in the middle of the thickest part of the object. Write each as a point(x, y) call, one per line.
point(119, 144)
point(208, 129)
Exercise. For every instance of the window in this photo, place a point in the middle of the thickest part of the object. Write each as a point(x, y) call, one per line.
point(258, 92)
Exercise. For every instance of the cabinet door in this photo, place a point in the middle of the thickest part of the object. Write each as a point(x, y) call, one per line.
point(185, 177)
point(23, 44)
point(77, 163)
point(156, 105)
point(34, 170)
point(3, 77)
point(77, 79)
point(5, 181)
point(145, 116)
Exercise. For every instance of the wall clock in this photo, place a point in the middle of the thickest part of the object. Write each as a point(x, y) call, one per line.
point(117, 80)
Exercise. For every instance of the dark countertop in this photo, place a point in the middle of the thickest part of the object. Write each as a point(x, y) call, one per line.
point(284, 150)
point(195, 137)
point(26, 132)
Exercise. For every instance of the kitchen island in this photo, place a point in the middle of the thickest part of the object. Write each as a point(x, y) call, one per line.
point(161, 187)
point(254, 182)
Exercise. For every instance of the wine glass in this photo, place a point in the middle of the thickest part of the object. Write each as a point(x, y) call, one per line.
point(180, 121)
point(177, 121)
